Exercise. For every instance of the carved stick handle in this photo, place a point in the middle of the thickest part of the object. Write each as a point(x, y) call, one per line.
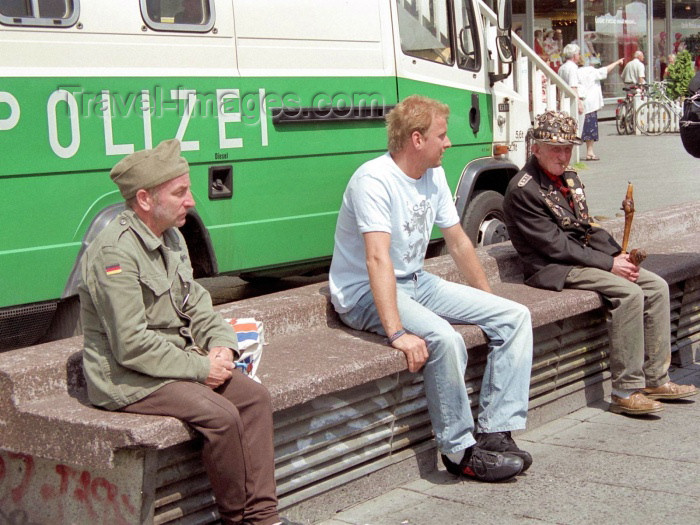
point(637, 257)
point(628, 208)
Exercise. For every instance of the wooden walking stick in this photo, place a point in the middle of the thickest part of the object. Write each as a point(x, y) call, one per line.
point(636, 256)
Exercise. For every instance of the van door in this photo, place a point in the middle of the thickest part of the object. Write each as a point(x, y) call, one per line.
point(439, 53)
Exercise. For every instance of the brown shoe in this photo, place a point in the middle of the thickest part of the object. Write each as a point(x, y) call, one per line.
point(636, 404)
point(670, 391)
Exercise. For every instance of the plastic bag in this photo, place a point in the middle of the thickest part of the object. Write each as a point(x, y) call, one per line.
point(250, 334)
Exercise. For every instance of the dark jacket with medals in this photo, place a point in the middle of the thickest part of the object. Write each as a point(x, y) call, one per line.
point(550, 236)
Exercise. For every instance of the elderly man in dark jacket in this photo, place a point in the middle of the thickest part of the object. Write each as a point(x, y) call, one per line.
point(561, 246)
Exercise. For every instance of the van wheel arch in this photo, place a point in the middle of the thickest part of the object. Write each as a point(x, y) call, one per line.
point(66, 319)
point(199, 246)
point(480, 200)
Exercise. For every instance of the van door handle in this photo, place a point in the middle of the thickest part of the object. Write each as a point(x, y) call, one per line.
point(475, 114)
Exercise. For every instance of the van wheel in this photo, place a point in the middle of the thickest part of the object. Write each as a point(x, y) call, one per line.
point(66, 320)
point(484, 222)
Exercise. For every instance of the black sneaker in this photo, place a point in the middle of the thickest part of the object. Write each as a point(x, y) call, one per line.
point(502, 442)
point(484, 465)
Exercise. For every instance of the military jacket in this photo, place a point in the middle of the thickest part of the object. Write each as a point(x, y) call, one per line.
point(550, 236)
point(145, 319)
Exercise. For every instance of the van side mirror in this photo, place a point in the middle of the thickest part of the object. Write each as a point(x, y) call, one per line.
point(504, 45)
point(505, 16)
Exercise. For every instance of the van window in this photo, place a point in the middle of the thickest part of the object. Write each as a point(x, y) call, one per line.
point(55, 13)
point(425, 30)
point(178, 15)
point(468, 52)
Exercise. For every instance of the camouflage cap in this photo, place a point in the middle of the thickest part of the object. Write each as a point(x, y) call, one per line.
point(148, 168)
point(556, 128)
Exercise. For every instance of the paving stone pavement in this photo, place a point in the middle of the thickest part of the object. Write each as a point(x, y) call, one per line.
point(589, 467)
point(662, 172)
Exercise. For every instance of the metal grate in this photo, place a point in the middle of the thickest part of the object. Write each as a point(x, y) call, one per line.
point(333, 440)
point(685, 313)
point(22, 326)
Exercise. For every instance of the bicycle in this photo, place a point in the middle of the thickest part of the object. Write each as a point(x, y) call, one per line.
point(653, 117)
point(624, 112)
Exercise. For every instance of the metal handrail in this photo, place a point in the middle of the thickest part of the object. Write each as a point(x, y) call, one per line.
point(537, 64)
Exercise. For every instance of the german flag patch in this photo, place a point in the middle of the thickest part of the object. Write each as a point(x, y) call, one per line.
point(113, 269)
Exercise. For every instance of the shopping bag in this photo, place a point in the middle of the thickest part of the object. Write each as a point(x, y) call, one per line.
point(250, 334)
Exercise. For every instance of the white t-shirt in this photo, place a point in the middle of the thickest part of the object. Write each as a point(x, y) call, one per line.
point(589, 89)
point(382, 198)
point(569, 74)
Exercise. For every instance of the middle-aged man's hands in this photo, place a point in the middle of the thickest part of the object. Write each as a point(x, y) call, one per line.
point(220, 366)
point(414, 349)
point(622, 267)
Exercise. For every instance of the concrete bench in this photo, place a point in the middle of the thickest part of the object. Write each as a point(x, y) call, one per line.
point(345, 407)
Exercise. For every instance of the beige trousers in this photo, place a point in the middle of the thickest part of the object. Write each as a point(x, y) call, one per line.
point(639, 324)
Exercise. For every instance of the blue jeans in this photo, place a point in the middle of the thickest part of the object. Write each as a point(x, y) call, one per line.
point(427, 305)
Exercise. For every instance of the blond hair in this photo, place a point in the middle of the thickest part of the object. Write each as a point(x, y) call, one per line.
point(414, 113)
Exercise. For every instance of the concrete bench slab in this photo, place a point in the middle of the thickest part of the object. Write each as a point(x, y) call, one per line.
point(314, 365)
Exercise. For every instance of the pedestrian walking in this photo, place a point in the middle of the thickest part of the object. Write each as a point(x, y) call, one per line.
point(590, 91)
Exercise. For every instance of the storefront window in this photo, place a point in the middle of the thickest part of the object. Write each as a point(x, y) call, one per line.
point(663, 53)
point(554, 26)
point(611, 29)
point(685, 27)
point(616, 29)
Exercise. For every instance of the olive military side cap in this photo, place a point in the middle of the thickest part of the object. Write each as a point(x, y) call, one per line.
point(555, 128)
point(148, 168)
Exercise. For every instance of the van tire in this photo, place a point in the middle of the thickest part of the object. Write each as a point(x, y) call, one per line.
point(483, 221)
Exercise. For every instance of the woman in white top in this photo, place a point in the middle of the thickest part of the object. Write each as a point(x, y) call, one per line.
point(590, 91)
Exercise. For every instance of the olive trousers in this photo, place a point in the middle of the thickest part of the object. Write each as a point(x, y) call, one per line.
point(639, 324)
point(235, 421)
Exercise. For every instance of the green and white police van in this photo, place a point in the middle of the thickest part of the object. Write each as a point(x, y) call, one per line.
point(276, 103)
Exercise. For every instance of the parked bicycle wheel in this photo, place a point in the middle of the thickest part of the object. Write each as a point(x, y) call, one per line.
point(653, 118)
point(629, 117)
point(620, 118)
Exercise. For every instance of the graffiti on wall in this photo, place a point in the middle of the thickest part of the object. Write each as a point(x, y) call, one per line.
point(26, 494)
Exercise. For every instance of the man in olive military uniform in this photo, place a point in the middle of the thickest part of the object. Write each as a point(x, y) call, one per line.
point(154, 344)
point(561, 246)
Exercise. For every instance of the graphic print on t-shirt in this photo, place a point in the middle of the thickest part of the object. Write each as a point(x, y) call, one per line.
point(418, 229)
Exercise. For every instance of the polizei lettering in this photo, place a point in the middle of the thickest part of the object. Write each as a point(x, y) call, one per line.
point(67, 109)
point(76, 123)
